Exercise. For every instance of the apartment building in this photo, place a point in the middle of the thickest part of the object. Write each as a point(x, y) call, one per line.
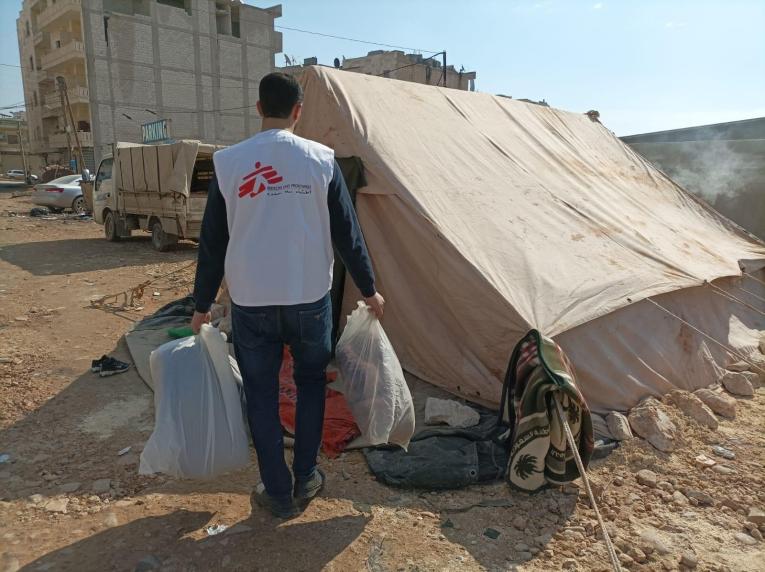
point(194, 63)
point(396, 64)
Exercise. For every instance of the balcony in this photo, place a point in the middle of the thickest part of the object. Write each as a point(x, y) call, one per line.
point(58, 140)
point(76, 95)
point(58, 56)
point(59, 9)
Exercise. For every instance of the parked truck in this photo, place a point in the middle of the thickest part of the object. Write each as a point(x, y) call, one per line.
point(161, 189)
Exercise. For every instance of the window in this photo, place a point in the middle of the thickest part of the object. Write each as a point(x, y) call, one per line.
point(58, 44)
point(35, 98)
point(27, 22)
point(104, 172)
point(31, 63)
point(182, 4)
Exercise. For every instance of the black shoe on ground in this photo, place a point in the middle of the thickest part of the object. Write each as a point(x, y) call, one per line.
point(308, 489)
point(111, 366)
point(280, 508)
point(95, 365)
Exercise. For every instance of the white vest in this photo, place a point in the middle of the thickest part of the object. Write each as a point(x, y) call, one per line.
point(280, 248)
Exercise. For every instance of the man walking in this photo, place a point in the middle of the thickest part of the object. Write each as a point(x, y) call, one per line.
point(275, 207)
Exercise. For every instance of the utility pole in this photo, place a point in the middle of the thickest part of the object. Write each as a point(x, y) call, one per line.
point(27, 178)
point(63, 110)
point(67, 108)
point(444, 55)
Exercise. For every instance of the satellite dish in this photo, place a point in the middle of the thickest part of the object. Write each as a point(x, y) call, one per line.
point(337, 63)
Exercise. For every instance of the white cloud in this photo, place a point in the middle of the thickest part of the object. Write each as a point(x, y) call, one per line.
point(674, 24)
point(598, 6)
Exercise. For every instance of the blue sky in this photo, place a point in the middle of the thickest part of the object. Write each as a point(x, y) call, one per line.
point(645, 65)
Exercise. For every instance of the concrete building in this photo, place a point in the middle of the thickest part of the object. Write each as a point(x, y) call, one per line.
point(196, 63)
point(399, 65)
point(724, 164)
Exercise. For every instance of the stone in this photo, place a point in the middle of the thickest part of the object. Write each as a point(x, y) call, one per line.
point(745, 539)
point(637, 555)
point(491, 533)
point(738, 383)
point(762, 344)
point(693, 407)
point(525, 556)
point(69, 487)
point(570, 564)
point(626, 560)
point(723, 452)
point(649, 421)
point(704, 462)
point(703, 498)
point(651, 538)
point(450, 412)
point(147, 563)
point(618, 426)
point(756, 534)
point(36, 498)
point(56, 505)
point(101, 486)
point(618, 481)
point(739, 366)
point(600, 427)
point(111, 520)
point(723, 470)
point(521, 547)
point(689, 560)
point(520, 522)
point(666, 486)
point(679, 499)
point(647, 477)
point(722, 404)
point(756, 515)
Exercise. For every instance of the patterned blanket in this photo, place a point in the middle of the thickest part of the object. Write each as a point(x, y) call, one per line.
point(539, 453)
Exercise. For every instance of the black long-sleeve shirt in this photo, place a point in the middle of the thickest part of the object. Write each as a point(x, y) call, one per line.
point(344, 228)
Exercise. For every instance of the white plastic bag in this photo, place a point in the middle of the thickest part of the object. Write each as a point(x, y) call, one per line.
point(199, 430)
point(373, 381)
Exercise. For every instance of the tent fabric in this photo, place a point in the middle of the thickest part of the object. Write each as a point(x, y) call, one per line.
point(159, 168)
point(487, 217)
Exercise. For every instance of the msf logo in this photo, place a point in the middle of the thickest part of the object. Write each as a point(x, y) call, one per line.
point(255, 183)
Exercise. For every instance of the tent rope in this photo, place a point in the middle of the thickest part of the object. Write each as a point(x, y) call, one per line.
point(752, 294)
point(580, 465)
point(754, 278)
point(732, 298)
point(728, 349)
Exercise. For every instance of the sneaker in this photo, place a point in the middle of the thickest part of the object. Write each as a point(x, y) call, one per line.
point(111, 366)
point(95, 365)
point(308, 489)
point(279, 508)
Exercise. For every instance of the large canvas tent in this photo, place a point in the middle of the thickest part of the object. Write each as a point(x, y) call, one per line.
point(486, 217)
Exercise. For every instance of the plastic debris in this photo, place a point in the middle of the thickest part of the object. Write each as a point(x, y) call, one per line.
point(491, 533)
point(215, 529)
point(723, 452)
point(124, 451)
point(5, 458)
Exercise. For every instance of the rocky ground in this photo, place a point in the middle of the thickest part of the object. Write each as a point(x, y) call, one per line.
point(70, 501)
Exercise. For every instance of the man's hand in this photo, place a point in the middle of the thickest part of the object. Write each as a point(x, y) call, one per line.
point(199, 319)
point(376, 304)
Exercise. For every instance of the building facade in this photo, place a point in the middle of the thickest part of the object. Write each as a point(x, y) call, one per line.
point(399, 65)
point(195, 63)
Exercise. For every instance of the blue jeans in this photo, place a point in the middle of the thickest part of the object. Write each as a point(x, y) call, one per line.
point(259, 337)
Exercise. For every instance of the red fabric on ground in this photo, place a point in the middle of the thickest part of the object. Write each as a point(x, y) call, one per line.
point(339, 426)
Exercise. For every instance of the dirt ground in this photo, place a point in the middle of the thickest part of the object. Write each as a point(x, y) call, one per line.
point(68, 501)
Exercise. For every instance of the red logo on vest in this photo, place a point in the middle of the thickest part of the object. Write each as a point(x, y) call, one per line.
point(263, 174)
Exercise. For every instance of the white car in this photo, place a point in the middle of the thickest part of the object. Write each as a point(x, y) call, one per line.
point(59, 194)
point(19, 174)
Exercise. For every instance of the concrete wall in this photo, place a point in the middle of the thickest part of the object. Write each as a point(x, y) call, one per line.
point(724, 164)
point(175, 63)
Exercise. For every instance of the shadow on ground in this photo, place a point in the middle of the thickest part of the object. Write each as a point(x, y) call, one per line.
point(71, 256)
point(250, 545)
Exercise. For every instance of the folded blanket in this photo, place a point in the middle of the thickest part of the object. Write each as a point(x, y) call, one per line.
point(539, 453)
